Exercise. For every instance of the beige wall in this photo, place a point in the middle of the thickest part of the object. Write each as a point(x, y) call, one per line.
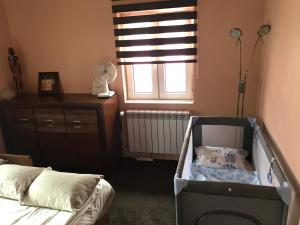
point(5, 42)
point(69, 36)
point(73, 36)
point(279, 98)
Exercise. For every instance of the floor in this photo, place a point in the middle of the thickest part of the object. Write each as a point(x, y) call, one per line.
point(144, 193)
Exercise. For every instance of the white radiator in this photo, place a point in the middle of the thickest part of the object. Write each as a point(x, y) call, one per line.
point(156, 132)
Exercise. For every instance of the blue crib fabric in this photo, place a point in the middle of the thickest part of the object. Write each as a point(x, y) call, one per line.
point(202, 173)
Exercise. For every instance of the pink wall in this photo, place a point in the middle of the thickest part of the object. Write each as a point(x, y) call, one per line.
point(69, 36)
point(73, 36)
point(279, 99)
point(5, 42)
point(5, 77)
point(279, 92)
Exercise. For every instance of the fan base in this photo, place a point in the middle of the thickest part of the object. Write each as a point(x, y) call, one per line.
point(106, 94)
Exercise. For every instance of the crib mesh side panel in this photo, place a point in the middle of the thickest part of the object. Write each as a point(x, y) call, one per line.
point(232, 128)
point(221, 217)
point(201, 209)
point(222, 136)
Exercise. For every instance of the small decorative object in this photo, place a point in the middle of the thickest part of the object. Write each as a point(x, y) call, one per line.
point(104, 75)
point(48, 83)
point(237, 33)
point(15, 68)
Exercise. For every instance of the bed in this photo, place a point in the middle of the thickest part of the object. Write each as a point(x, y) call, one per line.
point(210, 202)
point(94, 212)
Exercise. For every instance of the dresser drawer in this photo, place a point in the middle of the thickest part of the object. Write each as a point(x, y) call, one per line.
point(51, 128)
point(81, 116)
point(23, 126)
point(49, 115)
point(82, 129)
point(19, 115)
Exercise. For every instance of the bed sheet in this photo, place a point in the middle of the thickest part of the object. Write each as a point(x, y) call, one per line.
point(12, 213)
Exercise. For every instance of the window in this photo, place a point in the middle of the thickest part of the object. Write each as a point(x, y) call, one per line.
point(156, 45)
point(171, 81)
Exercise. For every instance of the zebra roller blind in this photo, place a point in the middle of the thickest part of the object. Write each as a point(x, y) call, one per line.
point(155, 31)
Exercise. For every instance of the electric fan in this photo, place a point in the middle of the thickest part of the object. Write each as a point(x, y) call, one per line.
point(104, 75)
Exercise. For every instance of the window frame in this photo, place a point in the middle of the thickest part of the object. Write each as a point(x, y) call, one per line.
point(187, 95)
point(159, 84)
point(131, 94)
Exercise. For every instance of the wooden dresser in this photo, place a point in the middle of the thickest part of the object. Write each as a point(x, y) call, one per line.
point(70, 132)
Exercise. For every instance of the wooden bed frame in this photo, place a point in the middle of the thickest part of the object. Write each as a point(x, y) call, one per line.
point(26, 160)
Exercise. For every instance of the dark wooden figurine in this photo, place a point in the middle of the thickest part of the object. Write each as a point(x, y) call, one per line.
point(15, 68)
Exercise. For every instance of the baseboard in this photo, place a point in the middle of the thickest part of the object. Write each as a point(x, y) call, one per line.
point(143, 156)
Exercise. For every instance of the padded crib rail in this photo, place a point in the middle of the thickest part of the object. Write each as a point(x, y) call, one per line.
point(283, 187)
point(259, 137)
point(184, 149)
point(179, 182)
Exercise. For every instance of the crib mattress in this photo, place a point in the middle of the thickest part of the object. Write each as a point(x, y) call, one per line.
point(12, 213)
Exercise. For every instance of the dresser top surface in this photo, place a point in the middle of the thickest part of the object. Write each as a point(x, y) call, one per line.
point(66, 99)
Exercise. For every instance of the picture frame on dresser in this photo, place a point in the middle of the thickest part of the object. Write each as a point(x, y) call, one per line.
point(48, 83)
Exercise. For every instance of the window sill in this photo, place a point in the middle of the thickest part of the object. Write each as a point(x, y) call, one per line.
point(140, 101)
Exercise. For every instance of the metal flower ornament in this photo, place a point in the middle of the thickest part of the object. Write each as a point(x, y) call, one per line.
point(237, 34)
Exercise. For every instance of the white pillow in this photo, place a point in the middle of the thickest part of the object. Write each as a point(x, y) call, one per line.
point(62, 191)
point(221, 157)
point(15, 180)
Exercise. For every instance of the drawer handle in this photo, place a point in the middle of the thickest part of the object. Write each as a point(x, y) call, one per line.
point(51, 125)
point(77, 127)
point(24, 119)
point(77, 121)
point(50, 121)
